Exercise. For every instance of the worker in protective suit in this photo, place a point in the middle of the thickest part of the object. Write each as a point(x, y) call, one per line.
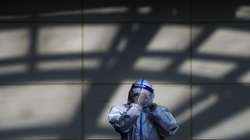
point(140, 118)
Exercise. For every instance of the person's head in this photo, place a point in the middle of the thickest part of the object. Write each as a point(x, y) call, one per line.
point(139, 87)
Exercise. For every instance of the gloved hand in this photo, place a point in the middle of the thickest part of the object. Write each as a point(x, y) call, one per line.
point(152, 107)
point(143, 99)
point(134, 110)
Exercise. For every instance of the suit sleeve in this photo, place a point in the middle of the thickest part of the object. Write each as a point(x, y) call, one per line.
point(165, 121)
point(122, 119)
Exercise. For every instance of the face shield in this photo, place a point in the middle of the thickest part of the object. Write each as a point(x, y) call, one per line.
point(141, 87)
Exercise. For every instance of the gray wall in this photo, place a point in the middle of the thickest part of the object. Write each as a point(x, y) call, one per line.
point(63, 65)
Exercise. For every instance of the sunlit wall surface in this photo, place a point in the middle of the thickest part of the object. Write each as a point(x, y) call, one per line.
point(41, 90)
point(64, 64)
point(195, 54)
point(40, 70)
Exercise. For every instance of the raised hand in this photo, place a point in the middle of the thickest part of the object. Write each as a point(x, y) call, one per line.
point(142, 98)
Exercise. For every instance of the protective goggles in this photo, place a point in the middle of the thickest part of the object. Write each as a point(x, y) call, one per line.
point(143, 87)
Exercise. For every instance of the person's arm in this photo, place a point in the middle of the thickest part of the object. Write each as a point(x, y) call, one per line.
point(122, 119)
point(165, 121)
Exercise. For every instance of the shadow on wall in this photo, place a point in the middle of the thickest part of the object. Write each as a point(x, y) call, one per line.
point(217, 74)
point(121, 43)
point(40, 70)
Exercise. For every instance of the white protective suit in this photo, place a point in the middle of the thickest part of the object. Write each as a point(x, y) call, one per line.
point(147, 122)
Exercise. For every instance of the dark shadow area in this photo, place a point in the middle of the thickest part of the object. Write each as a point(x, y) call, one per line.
point(46, 10)
point(230, 100)
point(219, 11)
point(9, 8)
point(138, 11)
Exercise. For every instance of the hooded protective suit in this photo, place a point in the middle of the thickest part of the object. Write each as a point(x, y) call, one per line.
point(142, 122)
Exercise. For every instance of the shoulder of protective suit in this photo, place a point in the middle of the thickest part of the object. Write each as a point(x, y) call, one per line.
point(162, 108)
